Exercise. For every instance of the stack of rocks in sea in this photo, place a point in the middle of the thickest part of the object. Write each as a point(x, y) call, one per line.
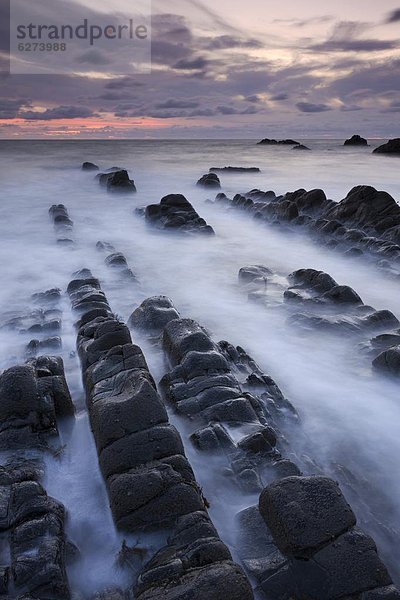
point(63, 225)
point(175, 213)
point(302, 541)
point(150, 483)
point(33, 399)
point(366, 222)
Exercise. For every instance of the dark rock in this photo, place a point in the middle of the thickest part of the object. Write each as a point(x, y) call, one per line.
point(88, 166)
point(235, 170)
point(356, 140)
point(269, 142)
point(175, 212)
point(211, 180)
point(389, 361)
point(254, 273)
point(305, 514)
point(391, 147)
point(153, 314)
point(301, 147)
point(119, 182)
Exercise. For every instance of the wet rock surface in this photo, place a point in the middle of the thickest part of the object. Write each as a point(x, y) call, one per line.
point(150, 482)
point(364, 224)
point(210, 180)
point(63, 225)
point(175, 213)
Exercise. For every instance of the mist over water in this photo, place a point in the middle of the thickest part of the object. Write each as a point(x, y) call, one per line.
point(349, 416)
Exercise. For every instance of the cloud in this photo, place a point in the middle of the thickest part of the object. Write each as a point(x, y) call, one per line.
point(309, 107)
point(279, 97)
point(122, 83)
point(60, 112)
point(195, 64)
point(345, 38)
point(174, 103)
point(9, 108)
point(394, 16)
point(93, 57)
point(254, 99)
point(224, 42)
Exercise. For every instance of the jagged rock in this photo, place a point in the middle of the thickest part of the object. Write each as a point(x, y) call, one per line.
point(301, 147)
point(356, 140)
point(254, 273)
point(391, 147)
point(211, 180)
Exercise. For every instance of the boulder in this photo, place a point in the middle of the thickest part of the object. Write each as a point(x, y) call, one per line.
point(391, 147)
point(175, 213)
point(88, 166)
point(301, 147)
point(305, 514)
point(388, 362)
point(356, 140)
point(153, 314)
point(210, 180)
point(119, 182)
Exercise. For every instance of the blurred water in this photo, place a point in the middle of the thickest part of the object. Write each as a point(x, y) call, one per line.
point(348, 414)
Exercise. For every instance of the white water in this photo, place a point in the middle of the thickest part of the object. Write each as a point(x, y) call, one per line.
point(348, 414)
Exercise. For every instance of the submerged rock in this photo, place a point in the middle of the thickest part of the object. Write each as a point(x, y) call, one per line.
point(301, 147)
point(389, 361)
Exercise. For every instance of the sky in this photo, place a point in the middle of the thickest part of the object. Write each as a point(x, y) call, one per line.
point(226, 69)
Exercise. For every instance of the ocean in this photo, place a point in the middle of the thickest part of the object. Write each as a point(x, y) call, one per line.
point(349, 416)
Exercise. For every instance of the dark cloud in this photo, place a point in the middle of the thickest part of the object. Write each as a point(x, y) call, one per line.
point(253, 99)
point(394, 16)
point(122, 83)
point(60, 112)
point(279, 97)
point(93, 57)
point(9, 108)
point(167, 53)
point(350, 107)
point(113, 96)
point(345, 38)
point(305, 22)
point(309, 107)
point(176, 103)
point(195, 64)
point(224, 42)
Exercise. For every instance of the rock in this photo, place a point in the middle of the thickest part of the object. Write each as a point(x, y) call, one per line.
point(153, 314)
point(269, 142)
point(356, 140)
point(88, 166)
point(119, 182)
point(211, 180)
point(366, 207)
point(254, 273)
point(389, 361)
point(305, 514)
point(301, 147)
point(175, 212)
point(391, 147)
point(235, 170)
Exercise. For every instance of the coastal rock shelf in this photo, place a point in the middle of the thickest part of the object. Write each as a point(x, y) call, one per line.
point(302, 542)
point(149, 480)
point(117, 262)
point(366, 222)
point(175, 213)
point(63, 225)
point(33, 397)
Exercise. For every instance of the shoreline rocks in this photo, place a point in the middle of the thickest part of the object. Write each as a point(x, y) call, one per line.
point(356, 140)
point(175, 213)
point(150, 482)
point(391, 147)
point(210, 180)
point(235, 170)
point(272, 142)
